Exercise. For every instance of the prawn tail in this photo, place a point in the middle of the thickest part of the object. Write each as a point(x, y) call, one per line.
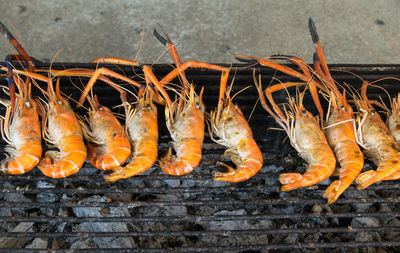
point(246, 166)
point(370, 177)
point(314, 175)
point(348, 174)
point(136, 166)
point(243, 172)
point(110, 160)
point(334, 190)
point(291, 181)
point(65, 167)
point(20, 164)
point(186, 160)
point(366, 179)
point(394, 176)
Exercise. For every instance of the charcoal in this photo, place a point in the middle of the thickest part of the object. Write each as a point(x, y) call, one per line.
point(393, 222)
point(13, 242)
point(83, 244)
point(172, 210)
point(43, 197)
point(37, 243)
point(15, 197)
point(230, 224)
point(5, 211)
point(44, 185)
point(101, 226)
point(365, 222)
point(188, 183)
point(173, 182)
point(235, 212)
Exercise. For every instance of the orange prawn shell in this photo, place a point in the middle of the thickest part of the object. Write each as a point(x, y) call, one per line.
point(235, 134)
point(393, 119)
point(115, 147)
point(342, 138)
point(187, 133)
point(64, 132)
point(25, 135)
point(142, 128)
point(311, 144)
point(380, 147)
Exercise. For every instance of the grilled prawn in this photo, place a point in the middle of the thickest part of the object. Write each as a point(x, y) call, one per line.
point(20, 127)
point(185, 121)
point(339, 127)
point(142, 128)
point(380, 146)
point(305, 135)
point(108, 144)
point(21, 130)
point(233, 131)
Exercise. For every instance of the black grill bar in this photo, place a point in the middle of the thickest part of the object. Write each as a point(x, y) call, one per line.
point(200, 218)
point(202, 233)
point(161, 213)
point(175, 190)
point(195, 203)
point(302, 246)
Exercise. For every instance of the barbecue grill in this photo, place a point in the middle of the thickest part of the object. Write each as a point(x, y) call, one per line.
point(155, 212)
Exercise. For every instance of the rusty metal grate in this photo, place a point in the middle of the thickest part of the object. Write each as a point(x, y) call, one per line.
point(156, 212)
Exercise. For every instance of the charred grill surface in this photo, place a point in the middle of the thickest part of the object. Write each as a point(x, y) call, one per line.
point(155, 212)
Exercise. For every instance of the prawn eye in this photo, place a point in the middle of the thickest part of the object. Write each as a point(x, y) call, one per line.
point(342, 107)
point(197, 104)
point(373, 111)
point(304, 112)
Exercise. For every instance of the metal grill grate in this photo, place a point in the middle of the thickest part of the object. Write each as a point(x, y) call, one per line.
point(154, 212)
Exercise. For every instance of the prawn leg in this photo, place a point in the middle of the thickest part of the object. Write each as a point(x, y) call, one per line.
point(306, 77)
point(117, 61)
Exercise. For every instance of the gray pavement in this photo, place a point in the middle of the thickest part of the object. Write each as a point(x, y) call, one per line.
point(354, 31)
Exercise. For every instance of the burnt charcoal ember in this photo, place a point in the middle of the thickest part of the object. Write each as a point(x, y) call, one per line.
point(365, 222)
point(172, 210)
point(14, 197)
point(231, 224)
point(105, 242)
point(175, 182)
point(44, 197)
point(15, 242)
point(44, 185)
point(37, 243)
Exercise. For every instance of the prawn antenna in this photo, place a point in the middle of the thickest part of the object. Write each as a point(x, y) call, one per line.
point(280, 57)
point(161, 38)
point(247, 60)
point(313, 31)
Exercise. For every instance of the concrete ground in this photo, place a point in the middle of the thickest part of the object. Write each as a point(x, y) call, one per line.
point(355, 31)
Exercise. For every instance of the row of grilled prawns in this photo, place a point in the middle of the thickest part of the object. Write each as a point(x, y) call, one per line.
point(341, 133)
point(109, 144)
